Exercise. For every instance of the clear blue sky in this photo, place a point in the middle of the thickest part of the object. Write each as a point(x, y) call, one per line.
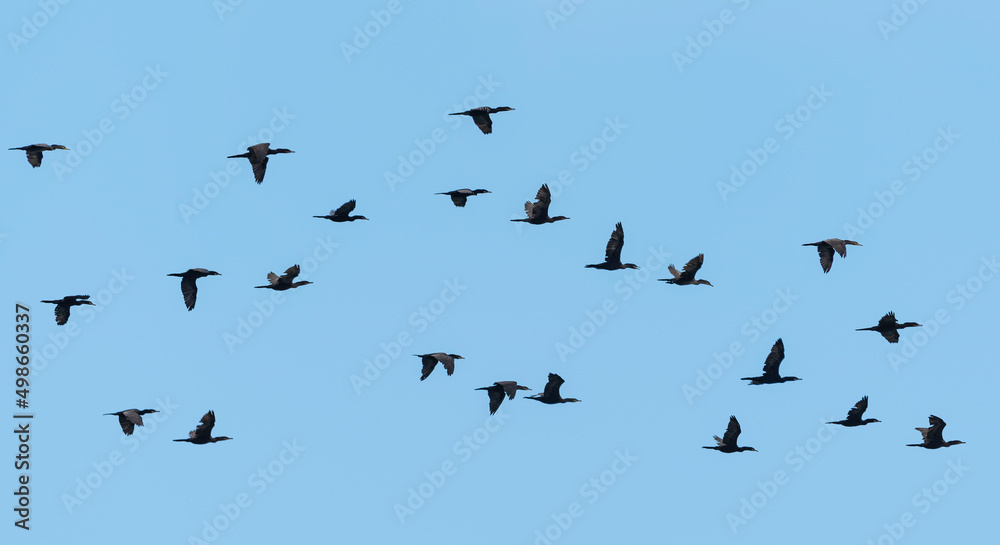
point(839, 125)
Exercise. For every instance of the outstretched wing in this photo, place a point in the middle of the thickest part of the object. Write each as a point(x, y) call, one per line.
point(859, 409)
point(190, 291)
point(613, 253)
point(732, 432)
point(345, 208)
point(691, 268)
point(774, 358)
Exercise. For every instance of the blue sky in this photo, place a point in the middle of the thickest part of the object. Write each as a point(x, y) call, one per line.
point(739, 129)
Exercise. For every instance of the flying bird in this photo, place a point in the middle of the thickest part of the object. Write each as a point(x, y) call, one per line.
point(826, 248)
point(771, 364)
point(431, 360)
point(284, 282)
point(130, 418)
point(932, 435)
point(854, 415)
point(613, 253)
point(188, 287)
point(63, 305)
point(460, 196)
point(551, 394)
point(728, 442)
point(257, 154)
point(34, 152)
point(342, 214)
point(482, 116)
point(889, 327)
point(687, 277)
point(499, 389)
point(538, 212)
point(203, 433)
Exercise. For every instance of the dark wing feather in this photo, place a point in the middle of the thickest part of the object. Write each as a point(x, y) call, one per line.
point(35, 158)
point(204, 430)
point(891, 335)
point(429, 362)
point(496, 397)
point(825, 256)
point(552, 387)
point(613, 253)
point(62, 314)
point(774, 358)
point(859, 409)
point(732, 432)
point(345, 208)
point(190, 291)
point(483, 121)
point(691, 268)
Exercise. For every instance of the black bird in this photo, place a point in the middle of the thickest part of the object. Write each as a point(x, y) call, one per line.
point(482, 116)
point(932, 435)
point(551, 394)
point(613, 253)
point(34, 152)
point(188, 287)
point(826, 248)
point(728, 442)
point(771, 364)
point(203, 433)
point(284, 282)
point(854, 415)
point(131, 418)
point(538, 212)
point(687, 277)
point(460, 196)
point(889, 327)
point(342, 214)
point(257, 154)
point(431, 360)
point(62, 306)
point(499, 389)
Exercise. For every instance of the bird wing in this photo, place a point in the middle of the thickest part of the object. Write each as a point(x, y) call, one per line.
point(259, 168)
point(544, 196)
point(62, 314)
point(891, 335)
point(773, 359)
point(190, 291)
point(888, 320)
point(613, 252)
point(732, 432)
point(290, 273)
point(483, 121)
point(508, 386)
point(448, 362)
point(825, 256)
point(859, 409)
point(674, 271)
point(128, 426)
point(204, 430)
point(935, 432)
point(496, 397)
point(345, 209)
point(272, 278)
point(692, 267)
point(552, 386)
point(34, 158)
point(429, 362)
point(838, 245)
point(458, 199)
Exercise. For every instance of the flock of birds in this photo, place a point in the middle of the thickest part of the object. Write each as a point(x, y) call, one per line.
point(537, 214)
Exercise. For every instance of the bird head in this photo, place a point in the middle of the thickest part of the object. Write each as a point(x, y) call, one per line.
point(59, 146)
point(558, 218)
point(84, 302)
point(630, 266)
point(223, 438)
point(706, 282)
point(361, 218)
point(572, 400)
point(852, 243)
